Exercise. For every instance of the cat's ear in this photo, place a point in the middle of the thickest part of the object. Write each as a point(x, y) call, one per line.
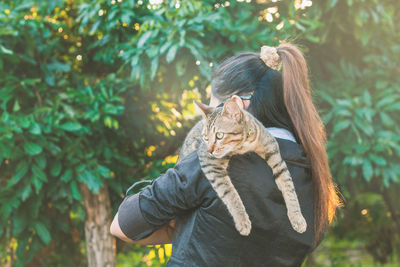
point(232, 110)
point(203, 108)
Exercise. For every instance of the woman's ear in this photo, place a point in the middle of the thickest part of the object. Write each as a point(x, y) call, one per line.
point(238, 101)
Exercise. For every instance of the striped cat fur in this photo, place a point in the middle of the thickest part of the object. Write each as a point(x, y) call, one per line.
point(227, 131)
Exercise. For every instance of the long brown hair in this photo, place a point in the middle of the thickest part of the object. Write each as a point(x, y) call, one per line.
point(311, 132)
point(283, 99)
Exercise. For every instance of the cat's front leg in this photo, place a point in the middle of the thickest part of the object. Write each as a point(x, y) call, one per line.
point(270, 152)
point(215, 172)
point(230, 197)
point(285, 185)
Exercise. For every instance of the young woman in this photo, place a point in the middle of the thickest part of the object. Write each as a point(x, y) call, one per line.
point(204, 234)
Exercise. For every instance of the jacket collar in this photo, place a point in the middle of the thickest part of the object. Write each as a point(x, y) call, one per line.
point(281, 133)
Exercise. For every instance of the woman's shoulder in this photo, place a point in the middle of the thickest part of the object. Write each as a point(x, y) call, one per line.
point(252, 176)
point(291, 152)
point(250, 164)
point(189, 170)
point(189, 166)
point(254, 180)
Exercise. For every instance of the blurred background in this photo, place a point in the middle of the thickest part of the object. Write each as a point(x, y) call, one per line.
point(96, 95)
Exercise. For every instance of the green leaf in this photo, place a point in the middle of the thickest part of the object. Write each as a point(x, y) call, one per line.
point(367, 170)
point(58, 66)
point(75, 192)
point(93, 182)
point(24, 122)
point(94, 27)
point(35, 129)
point(19, 223)
point(20, 171)
point(395, 106)
point(386, 119)
point(5, 150)
point(32, 148)
point(343, 112)
point(50, 78)
point(43, 232)
point(384, 102)
point(55, 168)
point(37, 183)
point(377, 159)
point(8, 205)
point(81, 167)
point(152, 51)
point(143, 39)
point(115, 124)
point(164, 47)
point(24, 5)
point(71, 126)
point(332, 3)
point(67, 175)
point(5, 50)
point(108, 121)
point(171, 53)
point(26, 192)
point(312, 38)
point(41, 161)
point(364, 126)
point(104, 171)
point(111, 109)
point(341, 126)
point(153, 68)
point(39, 173)
point(16, 106)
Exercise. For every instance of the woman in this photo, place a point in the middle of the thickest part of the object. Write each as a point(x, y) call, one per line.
point(204, 234)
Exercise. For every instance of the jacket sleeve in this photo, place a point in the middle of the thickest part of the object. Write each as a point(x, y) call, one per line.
point(175, 192)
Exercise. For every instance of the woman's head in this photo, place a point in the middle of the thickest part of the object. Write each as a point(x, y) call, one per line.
point(283, 99)
point(247, 73)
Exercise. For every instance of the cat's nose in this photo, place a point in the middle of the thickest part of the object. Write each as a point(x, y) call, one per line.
point(210, 149)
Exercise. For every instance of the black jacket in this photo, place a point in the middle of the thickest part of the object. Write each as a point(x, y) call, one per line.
point(205, 234)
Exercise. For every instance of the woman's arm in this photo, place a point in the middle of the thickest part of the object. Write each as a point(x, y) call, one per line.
point(176, 192)
point(161, 236)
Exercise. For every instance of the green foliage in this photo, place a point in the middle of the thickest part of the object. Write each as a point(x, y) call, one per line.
point(362, 98)
point(354, 68)
point(338, 252)
point(155, 256)
point(99, 92)
point(86, 94)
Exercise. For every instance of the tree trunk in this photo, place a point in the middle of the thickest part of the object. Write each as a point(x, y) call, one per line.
point(99, 242)
point(310, 260)
point(386, 197)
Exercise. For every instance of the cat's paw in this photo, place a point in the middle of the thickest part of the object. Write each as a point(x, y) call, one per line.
point(244, 226)
point(298, 222)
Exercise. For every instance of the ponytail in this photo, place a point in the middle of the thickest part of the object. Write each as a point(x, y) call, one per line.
point(311, 132)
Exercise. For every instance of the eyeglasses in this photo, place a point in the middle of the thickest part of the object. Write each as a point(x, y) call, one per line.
point(244, 97)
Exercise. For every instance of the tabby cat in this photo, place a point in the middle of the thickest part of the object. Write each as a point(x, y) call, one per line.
point(228, 131)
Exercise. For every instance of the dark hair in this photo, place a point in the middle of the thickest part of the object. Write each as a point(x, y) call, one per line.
point(247, 73)
point(284, 100)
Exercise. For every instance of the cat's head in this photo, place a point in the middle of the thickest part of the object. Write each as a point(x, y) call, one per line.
point(224, 128)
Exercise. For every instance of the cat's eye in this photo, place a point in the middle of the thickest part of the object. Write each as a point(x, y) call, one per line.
point(205, 137)
point(219, 135)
